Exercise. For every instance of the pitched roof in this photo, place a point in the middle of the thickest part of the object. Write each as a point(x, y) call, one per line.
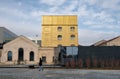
point(109, 40)
point(24, 38)
point(99, 42)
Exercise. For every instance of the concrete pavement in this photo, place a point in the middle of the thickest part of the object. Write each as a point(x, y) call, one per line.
point(26, 73)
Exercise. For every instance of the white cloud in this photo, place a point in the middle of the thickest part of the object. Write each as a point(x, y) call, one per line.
point(57, 9)
point(89, 22)
point(73, 5)
point(100, 25)
point(97, 17)
point(14, 12)
point(53, 2)
point(20, 3)
point(53, 9)
point(94, 19)
point(110, 4)
point(105, 26)
point(21, 28)
point(91, 2)
point(88, 37)
point(118, 22)
point(103, 4)
point(82, 10)
point(104, 16)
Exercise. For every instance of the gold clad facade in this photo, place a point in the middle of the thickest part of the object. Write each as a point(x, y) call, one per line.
point(59, 30)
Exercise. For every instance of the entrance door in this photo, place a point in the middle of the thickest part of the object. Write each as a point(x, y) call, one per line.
point(20, 54)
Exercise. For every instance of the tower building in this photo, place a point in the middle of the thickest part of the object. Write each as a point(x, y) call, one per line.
point(59, 30)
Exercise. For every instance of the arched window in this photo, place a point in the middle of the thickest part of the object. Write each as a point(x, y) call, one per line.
point(59, 37)
point(20, 54)
point(9, 56)
point(59, 28)
point(72, 37)
point(31, 56)
point(72, 28)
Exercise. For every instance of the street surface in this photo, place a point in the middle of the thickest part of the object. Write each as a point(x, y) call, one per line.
point(26, 73)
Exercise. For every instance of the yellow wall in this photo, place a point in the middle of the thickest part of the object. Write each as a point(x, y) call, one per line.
point(50, 31)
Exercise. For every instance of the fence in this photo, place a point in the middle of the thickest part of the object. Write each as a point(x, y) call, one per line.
point(96, 57)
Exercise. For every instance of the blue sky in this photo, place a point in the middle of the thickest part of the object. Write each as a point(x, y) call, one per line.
point(97, 19)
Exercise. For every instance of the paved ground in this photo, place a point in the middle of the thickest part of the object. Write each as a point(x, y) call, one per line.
point(25, 73)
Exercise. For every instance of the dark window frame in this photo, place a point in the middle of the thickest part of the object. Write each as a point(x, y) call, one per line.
point(72, 37)
point(59, 28)
point(59, 37)
point(72, 28)
point(9, 56)
point(31, 56)
point(21, 54)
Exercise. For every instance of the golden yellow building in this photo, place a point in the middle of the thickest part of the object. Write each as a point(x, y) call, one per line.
point(59, 30)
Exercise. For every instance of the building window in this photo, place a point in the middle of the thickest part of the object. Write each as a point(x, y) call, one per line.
point(39, 42)
point(44, 59)
point(9, 56)
point(20, 54)
point(59, 37)
point(72, 28)
point(31, 56)
point(72, 37)
point(59, 28)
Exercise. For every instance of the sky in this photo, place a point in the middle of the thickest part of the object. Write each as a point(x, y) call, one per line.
point(97, 19)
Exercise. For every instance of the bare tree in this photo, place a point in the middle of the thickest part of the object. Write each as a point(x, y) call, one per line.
point(72, 63)
point(80, 63)
point(88, 62)
point(102, 63)
point(95, 62)
point(112, 62)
